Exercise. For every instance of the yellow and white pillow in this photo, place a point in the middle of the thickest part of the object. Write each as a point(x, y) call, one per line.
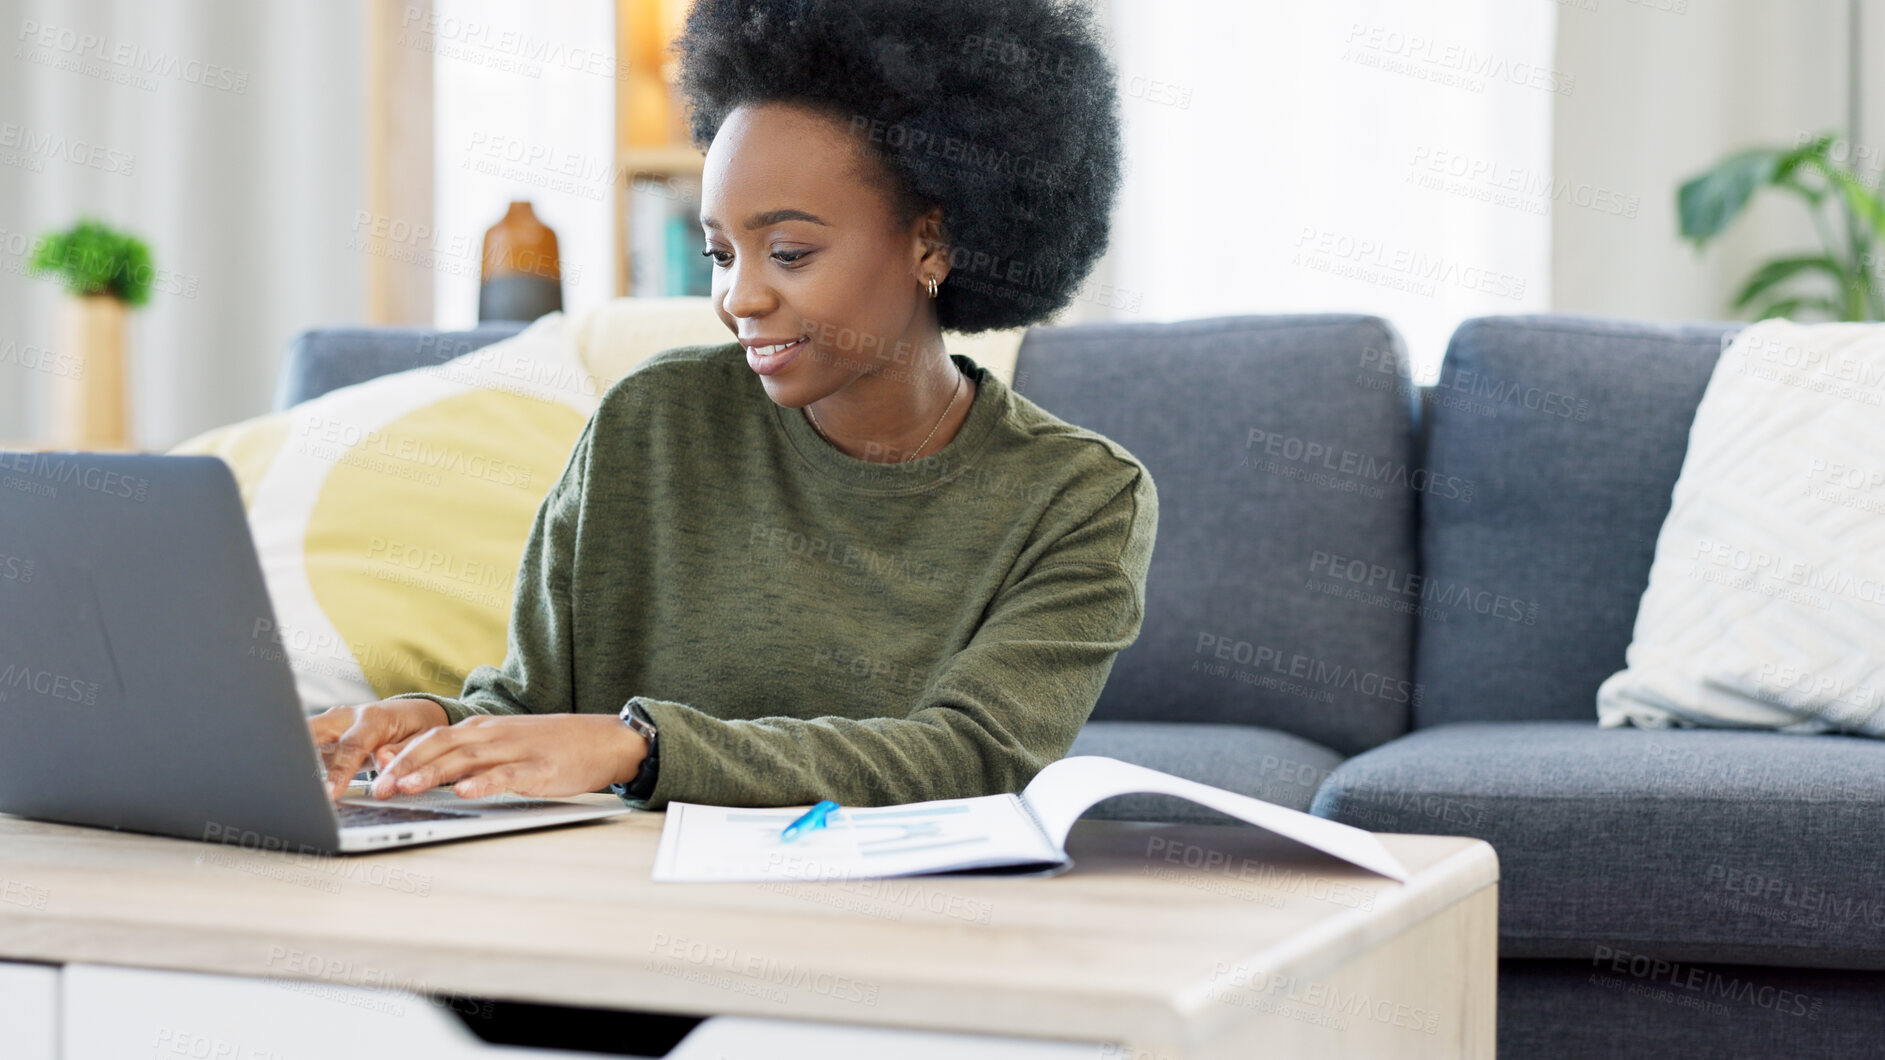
point(389, 516)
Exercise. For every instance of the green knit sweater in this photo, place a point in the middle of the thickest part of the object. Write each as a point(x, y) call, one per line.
point(802, 624)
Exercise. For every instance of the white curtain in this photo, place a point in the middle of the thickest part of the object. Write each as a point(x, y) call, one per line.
point(230, 137)
point(1347, 155)
point(524, 109)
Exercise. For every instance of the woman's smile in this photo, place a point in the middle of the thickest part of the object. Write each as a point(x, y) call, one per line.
point(767, 356)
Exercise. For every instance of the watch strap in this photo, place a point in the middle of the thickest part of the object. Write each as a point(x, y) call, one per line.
point(644, 783)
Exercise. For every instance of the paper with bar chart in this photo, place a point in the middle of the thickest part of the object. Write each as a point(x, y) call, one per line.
point(1006, 833)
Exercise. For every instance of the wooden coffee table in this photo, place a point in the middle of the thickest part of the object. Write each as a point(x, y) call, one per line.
point(1164, 942)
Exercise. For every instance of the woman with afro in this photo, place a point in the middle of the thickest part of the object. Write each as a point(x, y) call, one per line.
point(829, 560)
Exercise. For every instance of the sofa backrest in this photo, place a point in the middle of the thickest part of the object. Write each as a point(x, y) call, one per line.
point(1565, 435)
point(327, 359)
point(613, 338)
point(1322, 567)
point(1281, 452)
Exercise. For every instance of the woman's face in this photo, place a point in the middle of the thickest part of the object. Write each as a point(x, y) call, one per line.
point(807, 249)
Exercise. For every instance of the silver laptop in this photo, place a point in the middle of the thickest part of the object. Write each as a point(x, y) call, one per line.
point(136, 692)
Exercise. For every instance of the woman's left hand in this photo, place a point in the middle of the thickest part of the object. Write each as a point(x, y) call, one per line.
point(543, 755)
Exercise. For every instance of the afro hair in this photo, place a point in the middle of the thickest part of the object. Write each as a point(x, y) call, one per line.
point(1004, 113)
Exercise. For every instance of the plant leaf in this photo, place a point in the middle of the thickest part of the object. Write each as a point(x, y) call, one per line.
point(1815, 151)
point(1786, 307)
point(1863, 201)
point(1708, 202)
point(1779, 270)
point(93, 258)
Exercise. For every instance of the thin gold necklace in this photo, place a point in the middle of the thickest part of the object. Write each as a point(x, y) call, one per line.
point(932, 431)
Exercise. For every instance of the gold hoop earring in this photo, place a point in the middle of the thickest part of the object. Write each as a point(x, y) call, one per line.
point(932, 286)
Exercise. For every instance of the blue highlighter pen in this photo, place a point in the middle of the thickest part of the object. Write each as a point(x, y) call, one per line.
point(812, 818)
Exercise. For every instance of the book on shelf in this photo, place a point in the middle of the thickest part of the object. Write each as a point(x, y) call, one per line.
point(664, 241)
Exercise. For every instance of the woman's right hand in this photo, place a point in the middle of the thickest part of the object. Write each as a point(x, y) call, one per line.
point(346, 736)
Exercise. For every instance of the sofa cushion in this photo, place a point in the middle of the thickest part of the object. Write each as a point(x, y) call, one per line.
point(1262, 763)
point(1282, 456)
point(1570, 431)
point(1694, 845)
point(1620, 1002)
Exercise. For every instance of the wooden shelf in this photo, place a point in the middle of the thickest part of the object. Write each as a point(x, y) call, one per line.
point(650, 127)
point(670, 159)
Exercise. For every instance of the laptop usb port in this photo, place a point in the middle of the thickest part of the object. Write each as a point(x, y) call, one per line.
point(405, 835)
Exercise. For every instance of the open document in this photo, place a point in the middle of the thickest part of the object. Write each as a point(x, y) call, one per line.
point(1005, 833)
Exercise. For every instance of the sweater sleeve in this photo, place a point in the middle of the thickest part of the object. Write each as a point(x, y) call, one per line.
point(1002, 708)
point(537, 674)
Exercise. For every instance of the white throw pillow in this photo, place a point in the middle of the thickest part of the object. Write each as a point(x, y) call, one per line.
point(1766, 600)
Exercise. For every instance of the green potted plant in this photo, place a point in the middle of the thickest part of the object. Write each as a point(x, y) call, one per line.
point(1842, 280)
point(105, 272)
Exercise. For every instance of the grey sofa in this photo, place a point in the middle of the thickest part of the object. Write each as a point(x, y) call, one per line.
point(1393, 606)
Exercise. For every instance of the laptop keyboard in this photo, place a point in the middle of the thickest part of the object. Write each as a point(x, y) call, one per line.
point(354, 815)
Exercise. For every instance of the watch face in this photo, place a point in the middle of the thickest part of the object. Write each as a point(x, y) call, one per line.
point(634, 722)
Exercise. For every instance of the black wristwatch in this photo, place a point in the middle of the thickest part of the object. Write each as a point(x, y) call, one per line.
point(643, 785)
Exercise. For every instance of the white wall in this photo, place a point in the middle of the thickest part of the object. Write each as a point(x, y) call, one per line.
point(1290, 122)
point(1665, 89)
point(1350, 156)
point(525, 109)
